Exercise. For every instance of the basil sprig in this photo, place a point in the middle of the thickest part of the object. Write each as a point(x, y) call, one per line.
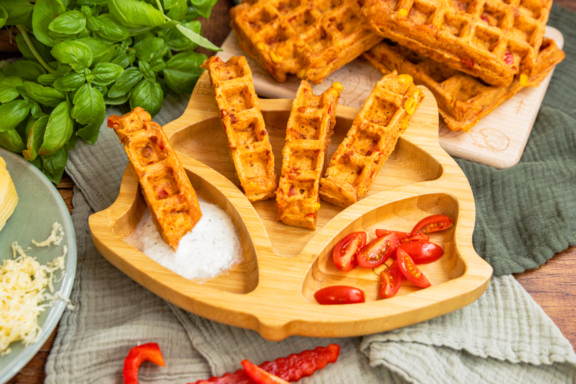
point(82, 55)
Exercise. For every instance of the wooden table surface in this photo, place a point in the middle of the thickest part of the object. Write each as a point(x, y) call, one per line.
point(550, 285)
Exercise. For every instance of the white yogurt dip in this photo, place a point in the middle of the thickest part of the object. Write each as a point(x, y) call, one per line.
point(210, 248)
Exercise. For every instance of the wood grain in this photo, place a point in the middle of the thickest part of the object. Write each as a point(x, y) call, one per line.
point(550, 285)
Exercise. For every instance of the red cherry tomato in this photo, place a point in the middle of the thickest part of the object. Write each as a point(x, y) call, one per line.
point(400, 235)
point(410, 270)
point(422, 252)
point(432, 223)
point(390, 281)
point(418, 237)
point(377, 251)
point(340, 294)
point(344, 254)
point(259, 375)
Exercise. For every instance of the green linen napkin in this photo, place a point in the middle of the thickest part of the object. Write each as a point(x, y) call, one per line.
point(527, 213)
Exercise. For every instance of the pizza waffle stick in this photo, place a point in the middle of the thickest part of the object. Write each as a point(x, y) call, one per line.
point(166, 188)
point(462, 99)
point(491, 39)
point(243, 123)
point(371, 139)
point(309, 38)
point(308, 134)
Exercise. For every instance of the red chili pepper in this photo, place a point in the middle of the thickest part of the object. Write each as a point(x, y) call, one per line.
point(138, 355)
point(291, 368)
point(259, 375)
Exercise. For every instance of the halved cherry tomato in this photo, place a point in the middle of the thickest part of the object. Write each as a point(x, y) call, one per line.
point(259, 375)
point(344, 254)
point(400, 235)
point(418, 237)
point(340, 294)
point(377, 251)
point(390, 280)
point(410, 270)
point(432, 223)
point(423, 252)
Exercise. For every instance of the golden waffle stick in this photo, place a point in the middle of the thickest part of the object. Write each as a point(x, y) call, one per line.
point(308, 134)
point(370, 140)
point(492, 39)
point(309, 38)
point(462, 99)
point(243, 123)
point(164, 184)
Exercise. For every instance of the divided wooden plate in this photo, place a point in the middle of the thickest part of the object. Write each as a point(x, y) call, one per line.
point(272, 291)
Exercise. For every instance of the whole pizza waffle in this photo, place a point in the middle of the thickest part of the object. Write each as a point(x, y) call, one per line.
point(494, 39)
point(243, 123)
point(166, 188)
point(308, 134)
point(371, 139)
point(309, 38)
point(462, 99)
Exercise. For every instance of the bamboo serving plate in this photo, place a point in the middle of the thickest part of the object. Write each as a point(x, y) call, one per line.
point(272, 290)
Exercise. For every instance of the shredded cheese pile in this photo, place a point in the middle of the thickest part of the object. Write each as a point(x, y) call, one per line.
point(23, 284)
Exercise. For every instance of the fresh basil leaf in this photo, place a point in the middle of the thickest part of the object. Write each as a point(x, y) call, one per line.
point(53, 166)
point(92, 3)
point(135, 13)
point(192, 14)
point(44, 12)
point(90, 111)
point(21, 128)
point(102, 89)
point(149, 49)
point(43, 50)
point(12, 141)
point(3, 16)
point(124, 84)
point(121, 60)
point(106, 73)
point(24, 69)
point(47, 96)
point(110, 29)
point(8, 88)
point(35, 109)
point(12, 81)
point(47, 79)
point(196, 38)
point(35, 138)
point(59, 129)
point(157, 65)
point(12, 114)
point(204, 7)
point(148, 95)
point(183, 70)
point(69, 83)
point(70, 23)
point(177, 41)
point(177, 9)
point(75, 53)
point(72, 142)
point(101, 53)
point(148, 73)
point(18, 11)
point(116, 100)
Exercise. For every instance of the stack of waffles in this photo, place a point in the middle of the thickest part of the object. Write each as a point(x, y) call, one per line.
point(472, 54)
point(352, 169)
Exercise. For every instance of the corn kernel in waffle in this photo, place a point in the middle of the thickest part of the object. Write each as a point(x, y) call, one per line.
point(308, 134)
point(371, 139)
point(462, 99)
point(248, 140)
point(494, 39)
point(309, 38)
point(164, 184)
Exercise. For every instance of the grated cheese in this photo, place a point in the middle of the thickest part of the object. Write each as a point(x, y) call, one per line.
point(23, 292)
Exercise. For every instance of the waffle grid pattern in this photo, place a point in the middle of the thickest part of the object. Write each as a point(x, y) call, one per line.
point(243, 123)
point(310, 38)
point(490, 39)
point(308, 135)
point(370, 140)
point(166, 188)
point(462, 99)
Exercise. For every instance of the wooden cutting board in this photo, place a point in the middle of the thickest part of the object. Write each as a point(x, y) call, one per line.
point(498, 140)
point(272, 290)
